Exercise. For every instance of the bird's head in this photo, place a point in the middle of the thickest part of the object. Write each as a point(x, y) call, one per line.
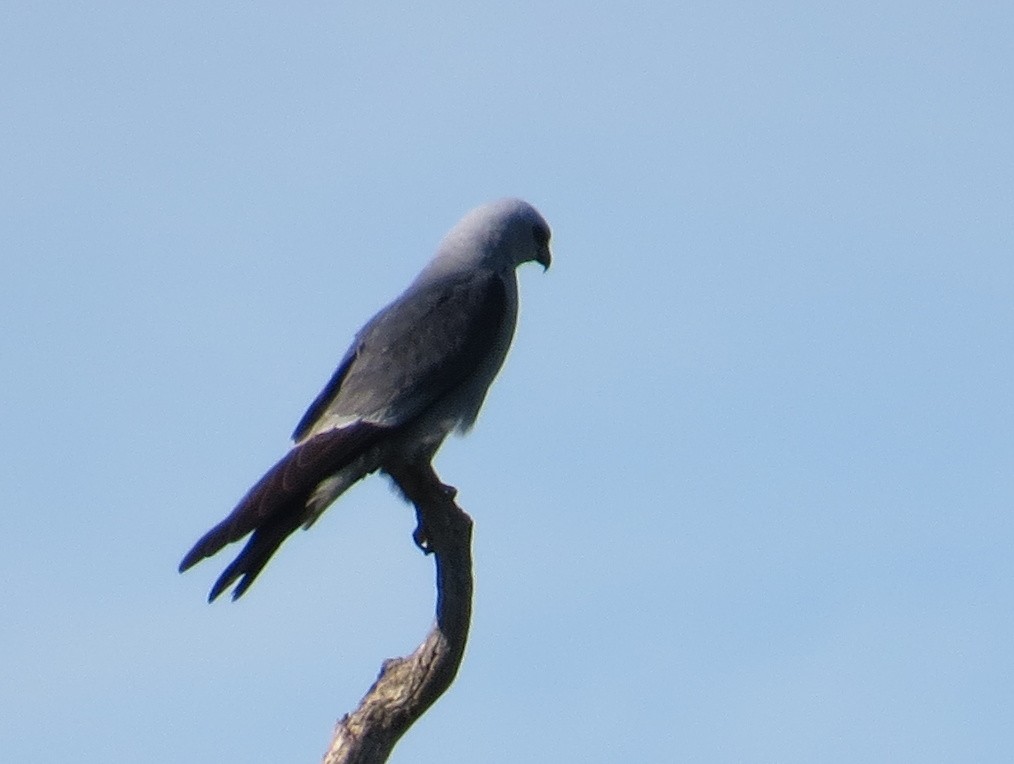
point(504, 232)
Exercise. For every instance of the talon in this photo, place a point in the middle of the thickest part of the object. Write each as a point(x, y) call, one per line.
point(421, 539)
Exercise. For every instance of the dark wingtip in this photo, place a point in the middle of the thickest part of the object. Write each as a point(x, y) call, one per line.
point(216, 590)
point(241, 587)
point(208, 545)
point(275, 506)
point(224, 582)
point(189, 561)
point(243, 569)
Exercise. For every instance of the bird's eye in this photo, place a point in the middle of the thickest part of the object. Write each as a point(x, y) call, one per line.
point(541, 234)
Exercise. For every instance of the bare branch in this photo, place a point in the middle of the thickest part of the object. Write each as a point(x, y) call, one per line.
point(407, 687)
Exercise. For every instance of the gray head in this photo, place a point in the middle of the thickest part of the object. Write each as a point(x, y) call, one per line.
point(504, 233)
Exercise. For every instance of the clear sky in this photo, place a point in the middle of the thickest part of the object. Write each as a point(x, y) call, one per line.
point(743, 490)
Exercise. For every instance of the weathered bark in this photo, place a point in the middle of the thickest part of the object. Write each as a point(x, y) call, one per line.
point(407, 687)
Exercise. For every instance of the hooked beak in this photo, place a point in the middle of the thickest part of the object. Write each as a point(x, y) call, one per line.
point(544, 258)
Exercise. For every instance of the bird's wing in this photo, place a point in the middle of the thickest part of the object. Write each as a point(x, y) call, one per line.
point(409, 356)
point(417, 349)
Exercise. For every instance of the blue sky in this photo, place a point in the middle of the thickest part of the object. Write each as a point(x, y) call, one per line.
point(741, 493)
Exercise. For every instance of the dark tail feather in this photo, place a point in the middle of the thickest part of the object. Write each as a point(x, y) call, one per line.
point(276, 505)
point(251, 561)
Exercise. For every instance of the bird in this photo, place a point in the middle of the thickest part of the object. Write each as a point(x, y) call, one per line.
point(415, 372)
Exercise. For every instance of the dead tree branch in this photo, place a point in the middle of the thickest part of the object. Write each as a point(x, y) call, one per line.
point(407, 687)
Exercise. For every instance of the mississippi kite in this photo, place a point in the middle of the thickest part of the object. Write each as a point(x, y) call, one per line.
point(416, 371)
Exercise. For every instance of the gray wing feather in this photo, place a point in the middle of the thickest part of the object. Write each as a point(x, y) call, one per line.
point(414, 351)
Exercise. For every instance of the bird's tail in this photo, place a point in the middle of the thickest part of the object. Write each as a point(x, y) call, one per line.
point(277, 505)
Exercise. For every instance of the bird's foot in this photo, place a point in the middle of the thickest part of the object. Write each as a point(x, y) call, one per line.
point(421, 538)
point(426, 513)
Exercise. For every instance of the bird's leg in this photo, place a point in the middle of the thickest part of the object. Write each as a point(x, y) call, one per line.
point(419, 535)
point(421, 486)
point(433, 491)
